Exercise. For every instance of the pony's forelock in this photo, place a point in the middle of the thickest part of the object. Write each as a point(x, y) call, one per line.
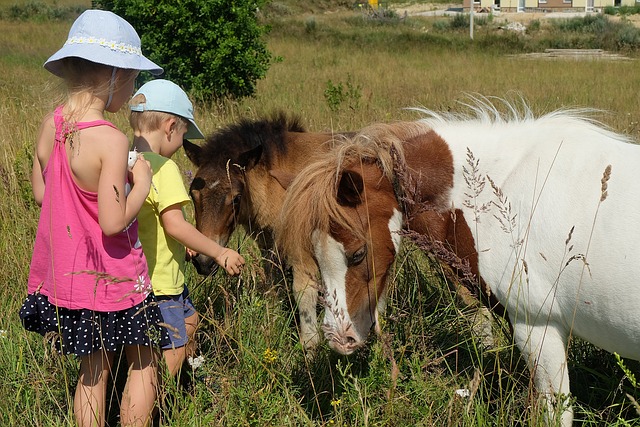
point(311, 203)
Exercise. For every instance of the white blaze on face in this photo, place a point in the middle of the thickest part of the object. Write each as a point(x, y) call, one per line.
point(332, 261)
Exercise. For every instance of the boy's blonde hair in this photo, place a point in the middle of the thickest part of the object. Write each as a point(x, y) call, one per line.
point(149, 120)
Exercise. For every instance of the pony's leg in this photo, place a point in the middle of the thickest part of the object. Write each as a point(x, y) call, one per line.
point(544, 348)
point(480, 316)
point(305, 289)
point(481, 325)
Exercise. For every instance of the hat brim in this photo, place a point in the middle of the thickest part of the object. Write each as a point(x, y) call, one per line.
point(100, 55)
point(193, 132)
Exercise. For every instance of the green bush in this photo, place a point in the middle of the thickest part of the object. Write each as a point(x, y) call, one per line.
point(336, 94)
point(629, 10)
point(590, 24)
point(212, 48)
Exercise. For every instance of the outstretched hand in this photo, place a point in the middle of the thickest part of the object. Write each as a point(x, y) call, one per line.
point(231, 261)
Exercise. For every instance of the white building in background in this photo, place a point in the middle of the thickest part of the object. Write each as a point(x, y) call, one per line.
point(545, 5)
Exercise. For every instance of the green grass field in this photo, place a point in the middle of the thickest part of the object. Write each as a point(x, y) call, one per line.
point(254, 372)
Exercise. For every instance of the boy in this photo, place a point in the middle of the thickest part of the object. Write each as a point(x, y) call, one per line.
point(161, 116)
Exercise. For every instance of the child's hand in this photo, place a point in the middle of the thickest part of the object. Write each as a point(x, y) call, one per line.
point(231, 261)
point(141, 172)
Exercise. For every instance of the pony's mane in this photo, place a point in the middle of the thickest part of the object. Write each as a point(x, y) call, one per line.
point(234, 139)
point(493, 111)
point(311, 203)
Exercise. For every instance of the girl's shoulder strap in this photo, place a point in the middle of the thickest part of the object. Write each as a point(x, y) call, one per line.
point(63, 128)
point(93, 123)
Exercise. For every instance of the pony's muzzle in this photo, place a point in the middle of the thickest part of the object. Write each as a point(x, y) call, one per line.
point(344, 342)
point(204, 265)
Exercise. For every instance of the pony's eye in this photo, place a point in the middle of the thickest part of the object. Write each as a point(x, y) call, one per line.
point(236, 200)
point(357, 257)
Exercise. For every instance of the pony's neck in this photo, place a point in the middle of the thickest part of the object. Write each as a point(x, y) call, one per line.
point(426, 178)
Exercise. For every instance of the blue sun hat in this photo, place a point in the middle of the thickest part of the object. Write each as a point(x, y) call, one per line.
point(167, 97)
point(105, 38)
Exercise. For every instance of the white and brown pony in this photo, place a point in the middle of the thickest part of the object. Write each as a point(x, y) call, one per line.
point(234, 186)
point(541, 213)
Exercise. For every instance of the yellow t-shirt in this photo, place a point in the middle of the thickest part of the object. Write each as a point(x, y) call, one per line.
point(165, 255)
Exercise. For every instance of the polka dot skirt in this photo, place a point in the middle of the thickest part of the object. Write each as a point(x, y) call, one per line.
point(82, 332)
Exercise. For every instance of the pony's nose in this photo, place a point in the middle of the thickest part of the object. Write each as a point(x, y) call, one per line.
point(204, 265)
point(344, 342)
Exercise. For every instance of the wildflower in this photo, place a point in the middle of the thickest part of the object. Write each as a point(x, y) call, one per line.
point(3, 333)
point(195, 362)
point(335, 402)
point(270, 356)
point(463, 392)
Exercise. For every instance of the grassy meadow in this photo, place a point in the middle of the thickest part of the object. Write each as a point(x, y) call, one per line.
point(336, 69)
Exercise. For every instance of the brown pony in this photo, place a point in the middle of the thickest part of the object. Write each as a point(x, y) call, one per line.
point(331, 195)
point(235, 184)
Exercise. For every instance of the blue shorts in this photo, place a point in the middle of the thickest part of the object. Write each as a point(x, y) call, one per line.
point(175, 309)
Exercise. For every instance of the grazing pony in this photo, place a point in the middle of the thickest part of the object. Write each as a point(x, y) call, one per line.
point(541, 213)
point(234, 185)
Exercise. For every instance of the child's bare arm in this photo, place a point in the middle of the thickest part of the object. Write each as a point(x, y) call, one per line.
point(44, 146)
point(184, 232)
point(116, 209)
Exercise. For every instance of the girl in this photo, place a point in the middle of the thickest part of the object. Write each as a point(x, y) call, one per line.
point(89, 289)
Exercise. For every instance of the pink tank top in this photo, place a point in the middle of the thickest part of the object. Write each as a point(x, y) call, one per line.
point(74, 264)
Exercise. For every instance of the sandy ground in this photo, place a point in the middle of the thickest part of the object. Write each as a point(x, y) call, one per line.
point(436, 9)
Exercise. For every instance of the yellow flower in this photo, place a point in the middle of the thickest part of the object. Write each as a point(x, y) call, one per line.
point(335, 402)
point(270, 356)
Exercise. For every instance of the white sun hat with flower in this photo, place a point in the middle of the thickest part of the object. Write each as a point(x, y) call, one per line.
point(105, 38)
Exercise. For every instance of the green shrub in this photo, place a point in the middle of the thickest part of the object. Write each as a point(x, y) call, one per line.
point(628, 10)
point(441, 25)
point(459, 21)
point(534, 26)
point(212, 48)
point(628, 37)
point(590, 24)
point(336, 94)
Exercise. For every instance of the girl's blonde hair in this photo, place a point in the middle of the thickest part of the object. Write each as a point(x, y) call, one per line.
point(149, 120)
point(83, 76)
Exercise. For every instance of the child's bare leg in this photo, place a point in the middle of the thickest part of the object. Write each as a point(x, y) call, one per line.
point(140, 392)
point(191, 323)
point(175, 357)
point(89, 403)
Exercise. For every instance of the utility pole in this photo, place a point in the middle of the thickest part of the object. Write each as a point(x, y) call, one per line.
point(471, 18)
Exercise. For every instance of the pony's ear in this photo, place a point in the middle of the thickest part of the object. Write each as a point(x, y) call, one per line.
point(193, 151)
point(248, 159)
point(349, 188)
point(284, 178)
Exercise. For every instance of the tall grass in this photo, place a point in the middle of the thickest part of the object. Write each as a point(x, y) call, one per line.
point(254, 372)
